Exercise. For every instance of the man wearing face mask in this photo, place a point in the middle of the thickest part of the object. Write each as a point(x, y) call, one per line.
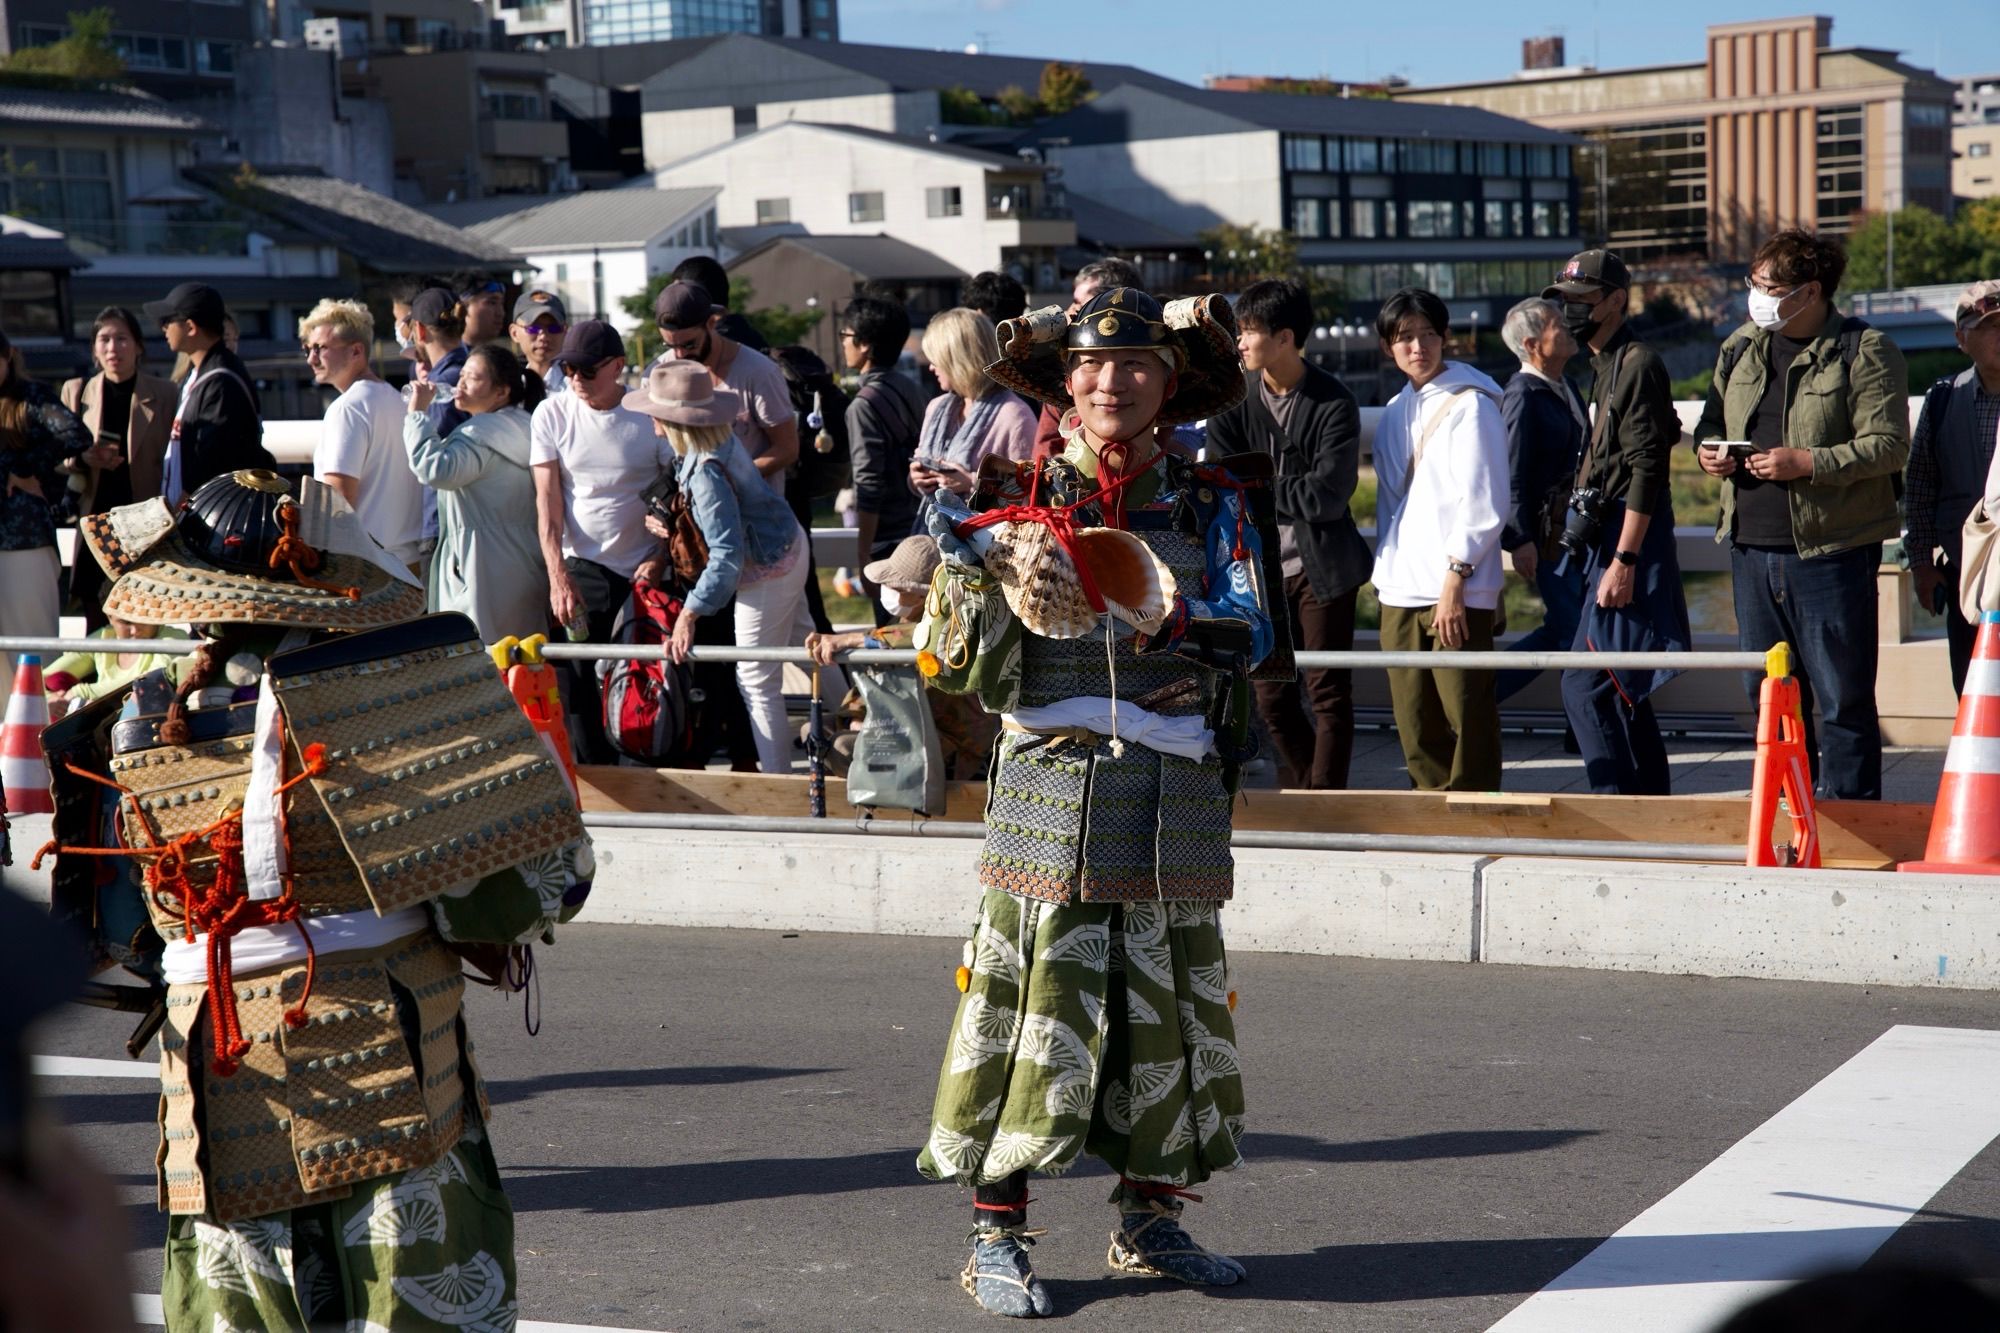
point(1621, 523)
point(1819, 399)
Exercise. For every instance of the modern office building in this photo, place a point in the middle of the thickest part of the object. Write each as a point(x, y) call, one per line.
point(1773, 127)
point(1376, 194)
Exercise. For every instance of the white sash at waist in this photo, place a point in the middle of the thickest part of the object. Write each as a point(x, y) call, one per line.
point(259, 948)
point(1188, 737)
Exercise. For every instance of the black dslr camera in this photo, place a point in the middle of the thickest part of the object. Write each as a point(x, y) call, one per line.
point(1583, 525)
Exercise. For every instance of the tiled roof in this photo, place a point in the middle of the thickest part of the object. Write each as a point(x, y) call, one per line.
point(123, 109)
point(868, 257)
point(629, 216)
point(380, 233)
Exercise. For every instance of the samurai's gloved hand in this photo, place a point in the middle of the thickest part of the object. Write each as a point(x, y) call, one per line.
point(948, 509)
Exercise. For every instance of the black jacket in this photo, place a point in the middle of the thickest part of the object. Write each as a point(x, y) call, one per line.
point(1318, 463)
point(1639, 439)
point(219, 428)
point(1544, 445)
point(883, 421)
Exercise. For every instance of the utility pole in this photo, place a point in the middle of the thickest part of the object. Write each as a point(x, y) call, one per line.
point(1889, 261)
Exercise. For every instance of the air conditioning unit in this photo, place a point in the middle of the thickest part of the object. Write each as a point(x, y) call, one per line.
point(343, 37)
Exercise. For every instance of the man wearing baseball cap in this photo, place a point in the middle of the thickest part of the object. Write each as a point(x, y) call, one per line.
point(217, 427)
point(766, 426)
point(540, 320)
point(593, 460)
point(1950, 456)
point(1621, 526)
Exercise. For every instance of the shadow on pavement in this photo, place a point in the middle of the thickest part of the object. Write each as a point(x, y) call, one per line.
point(637, 1189)
point(124, 1107)
point(1413, 1148)
point(679, 1076)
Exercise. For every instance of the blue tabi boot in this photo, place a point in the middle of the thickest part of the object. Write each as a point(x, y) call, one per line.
point(1150, 1242)
point(999, 1276)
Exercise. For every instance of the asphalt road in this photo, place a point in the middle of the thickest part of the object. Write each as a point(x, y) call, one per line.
point(717, 1129)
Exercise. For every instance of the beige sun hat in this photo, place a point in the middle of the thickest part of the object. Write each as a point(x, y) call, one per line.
point(908, 568)
point(684, 393)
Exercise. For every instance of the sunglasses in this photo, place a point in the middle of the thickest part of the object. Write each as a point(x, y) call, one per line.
point(551, 328)
point(1973, 312)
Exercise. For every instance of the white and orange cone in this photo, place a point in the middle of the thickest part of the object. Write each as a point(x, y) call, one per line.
point(1965, 826)
point(22, 768)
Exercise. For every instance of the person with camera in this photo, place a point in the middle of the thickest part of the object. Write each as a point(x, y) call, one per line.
point(1808, 421)
point(1620, 524)
point(1441, 486)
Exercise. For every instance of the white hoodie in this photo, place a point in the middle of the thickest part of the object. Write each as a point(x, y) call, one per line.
point(1455, 501)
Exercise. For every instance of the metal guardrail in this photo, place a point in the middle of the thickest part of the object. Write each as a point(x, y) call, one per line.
point(1277, 839)
point(1494, 660)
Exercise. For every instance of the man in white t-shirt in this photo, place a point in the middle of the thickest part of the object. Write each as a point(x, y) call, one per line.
point(594, 459)
point(360, 451)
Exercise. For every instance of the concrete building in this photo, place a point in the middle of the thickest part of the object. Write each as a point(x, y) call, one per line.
point(467, 123)
point(1378, 195)
point(1774, 127)
point(597, 248)
point(1975, 165)
point(974, 209)
point(824, 272)
point(696, 94)
point(381, 25)
point(170, 47)
point(1977, 100)
point(538, 23)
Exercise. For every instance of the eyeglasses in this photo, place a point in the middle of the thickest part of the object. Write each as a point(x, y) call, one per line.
point(321, 349)
point(849, 335)
point(1775, 289)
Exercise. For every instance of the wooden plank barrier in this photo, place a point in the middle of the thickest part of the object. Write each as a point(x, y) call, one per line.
point(1854, 835)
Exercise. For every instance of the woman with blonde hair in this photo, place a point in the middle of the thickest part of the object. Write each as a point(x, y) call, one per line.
point(974, 416)
point(756, 548)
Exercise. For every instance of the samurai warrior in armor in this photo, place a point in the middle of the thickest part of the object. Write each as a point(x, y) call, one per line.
point(1111, 602)
point(305, 838)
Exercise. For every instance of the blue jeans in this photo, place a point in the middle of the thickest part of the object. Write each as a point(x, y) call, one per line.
point(1560, 582)
point(1825, 609)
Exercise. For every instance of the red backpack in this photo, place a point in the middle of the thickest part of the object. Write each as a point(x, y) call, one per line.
point(649, 705)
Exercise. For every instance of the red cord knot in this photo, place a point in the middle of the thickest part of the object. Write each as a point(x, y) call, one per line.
point(1154, 1189)
point(295, 555)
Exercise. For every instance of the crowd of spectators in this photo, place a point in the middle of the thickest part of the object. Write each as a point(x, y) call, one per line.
point(513, 475)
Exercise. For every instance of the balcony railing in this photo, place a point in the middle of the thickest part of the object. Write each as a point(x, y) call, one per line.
point(96, 237)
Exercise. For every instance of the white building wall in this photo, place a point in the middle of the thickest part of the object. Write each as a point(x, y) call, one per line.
point(574, 275)
point(914, 114)
point(1192, 183)
point(665, 137)
point(816, 172)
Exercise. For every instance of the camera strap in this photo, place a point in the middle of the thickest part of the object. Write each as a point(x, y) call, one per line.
point(1603, 422)
point(1431, 424)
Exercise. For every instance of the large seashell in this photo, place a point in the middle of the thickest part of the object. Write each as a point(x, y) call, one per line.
point(1039, 581)
point(1135, 584)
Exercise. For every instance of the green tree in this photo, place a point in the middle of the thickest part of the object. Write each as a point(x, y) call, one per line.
point(959, 105)
point(1239, 256)
point(1064, 88)
point(1928, 250)
point(1020, 105)
point(1979, 221)
point(86, 53)
point(781, 326)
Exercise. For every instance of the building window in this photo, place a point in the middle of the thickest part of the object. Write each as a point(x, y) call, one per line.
point(504, 105)
point(943, 201)
point(865, 207)
point(1390, 209)
point(1645, 187)
point(773, 210)
point(1978, 150)
point(1361, 213)
point(1493, 159)
point(1929, 113)
point(1839, 148)
point(1308, 218)
point(68, 189)
point(1497, 218)
point(1304, 152)
point(145, 51)
point(1433, 218)
point(1362, 155)
point(212, 57)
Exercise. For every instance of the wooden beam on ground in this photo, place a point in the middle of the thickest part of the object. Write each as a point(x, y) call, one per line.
point(1853, 834)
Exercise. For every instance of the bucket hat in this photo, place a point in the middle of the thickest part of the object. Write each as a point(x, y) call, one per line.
point(249, 547)
point(684, 393)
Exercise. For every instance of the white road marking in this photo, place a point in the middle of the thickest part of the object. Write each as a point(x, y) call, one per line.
point(1820, 1185)
point(148, 1313)
point(77, 1066)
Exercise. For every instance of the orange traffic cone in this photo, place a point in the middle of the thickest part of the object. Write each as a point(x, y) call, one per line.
point(1965, 825)
point(1783, 769)
point(22, 768)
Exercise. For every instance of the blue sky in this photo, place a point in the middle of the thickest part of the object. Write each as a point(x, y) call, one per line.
point(1453, 40)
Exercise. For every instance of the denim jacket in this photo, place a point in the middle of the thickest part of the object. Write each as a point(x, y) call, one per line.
point(743, 520)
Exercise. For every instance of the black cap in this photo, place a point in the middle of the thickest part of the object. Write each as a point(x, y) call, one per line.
point(433, 304)
point(684, 305)
point(590, 343)
point(536, 302)
point(1591, 271)
point(191, 300)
